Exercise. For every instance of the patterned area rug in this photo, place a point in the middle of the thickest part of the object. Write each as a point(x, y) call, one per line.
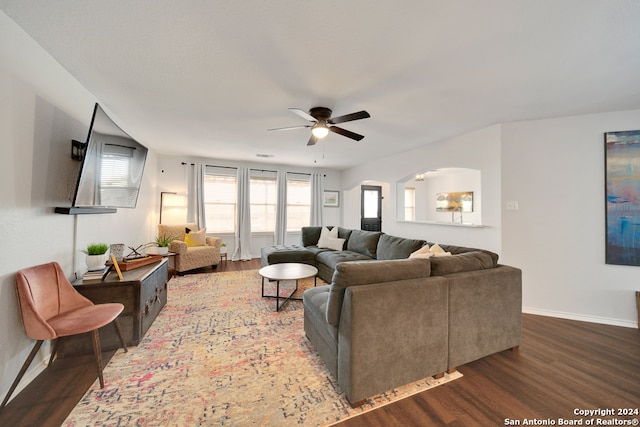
point(219, 354)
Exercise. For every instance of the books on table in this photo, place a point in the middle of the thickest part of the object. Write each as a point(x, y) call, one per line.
point(96, 275)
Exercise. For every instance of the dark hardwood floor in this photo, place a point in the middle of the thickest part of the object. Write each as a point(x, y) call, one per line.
point(562, 366)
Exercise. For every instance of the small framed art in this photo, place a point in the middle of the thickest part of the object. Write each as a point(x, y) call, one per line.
point(331, 198)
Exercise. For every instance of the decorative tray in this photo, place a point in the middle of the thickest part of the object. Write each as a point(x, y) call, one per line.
point(131, 264)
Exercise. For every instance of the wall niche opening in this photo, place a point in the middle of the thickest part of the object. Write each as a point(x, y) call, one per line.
point(449, 195)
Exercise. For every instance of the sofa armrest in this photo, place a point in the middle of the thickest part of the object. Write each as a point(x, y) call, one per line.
point(485, 312)
point(213, 241)
point(178, 247)
point(391, 334)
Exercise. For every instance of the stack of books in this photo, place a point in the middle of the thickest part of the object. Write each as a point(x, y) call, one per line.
point(96, 276)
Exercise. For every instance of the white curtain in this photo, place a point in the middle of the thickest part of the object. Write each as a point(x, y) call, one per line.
point(281, 209)
point(243, 219)
point(195, 194)
point(317, 192)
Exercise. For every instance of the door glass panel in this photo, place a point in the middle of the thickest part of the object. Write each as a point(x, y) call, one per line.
point(370, 204)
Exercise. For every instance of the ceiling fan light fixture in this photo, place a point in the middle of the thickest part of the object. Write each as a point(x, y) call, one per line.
point(320, 131)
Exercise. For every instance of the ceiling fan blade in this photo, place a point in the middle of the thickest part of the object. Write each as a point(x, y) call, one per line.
point(291, 127)
point(303, 114)
point(349, 117)
point(346, 133)
point(312, 140)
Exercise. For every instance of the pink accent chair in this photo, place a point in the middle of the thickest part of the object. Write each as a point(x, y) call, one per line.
point(51, 308)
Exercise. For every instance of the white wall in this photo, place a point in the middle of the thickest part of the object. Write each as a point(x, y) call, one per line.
point(476, 150)
point(172, 177)
point(42, 108)
point(555, 170)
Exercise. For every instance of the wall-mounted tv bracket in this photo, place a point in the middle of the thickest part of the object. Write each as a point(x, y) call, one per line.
point(78, 149)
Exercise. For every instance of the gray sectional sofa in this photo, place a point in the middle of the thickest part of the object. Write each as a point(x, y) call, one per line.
point(386, 319)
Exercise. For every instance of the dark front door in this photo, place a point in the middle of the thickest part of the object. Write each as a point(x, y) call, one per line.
point(371, 208)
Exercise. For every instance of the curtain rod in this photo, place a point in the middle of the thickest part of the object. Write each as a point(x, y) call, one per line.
point(253, 169)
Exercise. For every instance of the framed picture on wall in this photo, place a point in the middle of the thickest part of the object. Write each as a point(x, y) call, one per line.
point(622, 153)
point(331, 198)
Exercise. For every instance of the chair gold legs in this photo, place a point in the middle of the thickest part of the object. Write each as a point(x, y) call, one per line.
point(26, 365)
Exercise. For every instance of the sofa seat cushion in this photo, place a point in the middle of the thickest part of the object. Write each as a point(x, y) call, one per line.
point(315, 303)
point(392, 247)
point(332, 258)
point(286, 253)
point(316, 250)
point(468, 261)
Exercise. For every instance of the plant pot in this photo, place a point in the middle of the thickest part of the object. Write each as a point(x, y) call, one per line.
point(96, 262)
point(156, 250)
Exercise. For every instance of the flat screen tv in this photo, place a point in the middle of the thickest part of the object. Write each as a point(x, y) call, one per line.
point(112, 167)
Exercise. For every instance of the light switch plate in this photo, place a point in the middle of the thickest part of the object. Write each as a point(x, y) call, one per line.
point(512, 205)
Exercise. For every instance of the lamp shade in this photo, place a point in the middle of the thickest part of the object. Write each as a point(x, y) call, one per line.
point(320, 131)
point(173, 201)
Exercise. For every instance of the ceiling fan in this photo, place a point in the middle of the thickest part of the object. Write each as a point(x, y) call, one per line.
point(323, 123)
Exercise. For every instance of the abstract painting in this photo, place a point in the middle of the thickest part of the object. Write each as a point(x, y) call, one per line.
point(622, 157)
point(455, 202)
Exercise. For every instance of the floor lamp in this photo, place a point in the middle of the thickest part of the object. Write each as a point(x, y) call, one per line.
point(168, 203)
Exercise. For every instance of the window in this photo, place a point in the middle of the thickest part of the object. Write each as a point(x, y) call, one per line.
point(263, 200)
point(409, 204)
point(298, 203)
point(115, 185)
point(220, 202)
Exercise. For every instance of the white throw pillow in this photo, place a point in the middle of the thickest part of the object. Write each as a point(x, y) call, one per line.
point(325, 234)
point(333, 243)
point(423, 252)
point(436, 250)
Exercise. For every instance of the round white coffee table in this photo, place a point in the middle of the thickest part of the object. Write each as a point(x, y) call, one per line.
point(286, 271)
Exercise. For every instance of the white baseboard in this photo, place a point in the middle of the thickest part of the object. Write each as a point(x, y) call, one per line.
point(581, 317)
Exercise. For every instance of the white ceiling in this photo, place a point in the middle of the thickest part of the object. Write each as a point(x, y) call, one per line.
point(207, 78)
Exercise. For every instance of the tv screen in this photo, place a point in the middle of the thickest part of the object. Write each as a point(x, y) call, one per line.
point(112, 168)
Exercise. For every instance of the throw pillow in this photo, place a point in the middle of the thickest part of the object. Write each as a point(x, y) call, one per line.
point(423, 252)
point(196, 238)
point(436, 250)
point(334, 243)
point(325, 234)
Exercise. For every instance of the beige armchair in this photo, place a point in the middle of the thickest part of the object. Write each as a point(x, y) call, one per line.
point(191, 257)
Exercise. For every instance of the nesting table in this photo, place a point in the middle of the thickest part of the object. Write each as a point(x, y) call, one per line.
point(286, 271)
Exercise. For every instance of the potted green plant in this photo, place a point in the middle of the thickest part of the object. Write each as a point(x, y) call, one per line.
point(160, 245)
point(97, 256)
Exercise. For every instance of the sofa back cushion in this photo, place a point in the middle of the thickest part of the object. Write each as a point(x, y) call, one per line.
point(364, 242)
point(467, 261)
point(311, 235)
point(392, 247)
point(178, 232)
point(456, 250)
point(357, 273)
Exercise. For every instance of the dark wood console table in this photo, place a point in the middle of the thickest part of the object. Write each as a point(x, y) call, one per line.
point(143, 292)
